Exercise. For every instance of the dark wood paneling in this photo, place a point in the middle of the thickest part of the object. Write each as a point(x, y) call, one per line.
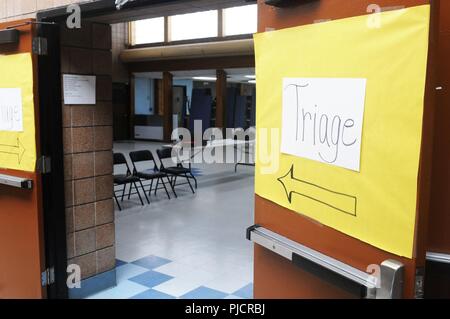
point(221, 98)
point(438, 274)
point(439, 234)
point(278, 18)
point(167, 84)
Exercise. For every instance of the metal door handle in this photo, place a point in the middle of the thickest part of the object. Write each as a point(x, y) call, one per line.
point(15, 181)
point(389, 284)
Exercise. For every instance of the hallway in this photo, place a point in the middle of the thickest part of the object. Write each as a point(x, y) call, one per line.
point(192, 247)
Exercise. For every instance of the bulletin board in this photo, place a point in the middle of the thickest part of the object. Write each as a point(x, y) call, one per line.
point(17, 120)
point(354, 90)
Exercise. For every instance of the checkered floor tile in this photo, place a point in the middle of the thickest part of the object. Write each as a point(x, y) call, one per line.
point(140, 280)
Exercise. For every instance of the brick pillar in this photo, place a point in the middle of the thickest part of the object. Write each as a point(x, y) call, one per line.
point(88, 144)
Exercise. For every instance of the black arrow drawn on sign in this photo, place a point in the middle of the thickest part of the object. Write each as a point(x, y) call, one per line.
point(17, 150)
point(341, 202)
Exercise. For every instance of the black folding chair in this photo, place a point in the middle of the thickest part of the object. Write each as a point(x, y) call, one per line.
point(175, 171)
point(126, 179)
point(150, 174)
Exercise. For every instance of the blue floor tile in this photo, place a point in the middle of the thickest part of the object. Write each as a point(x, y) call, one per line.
point(204, 293)
point(151, 262)
point(120, 263)
point(245, 292)
point(128, 271)
point(197, 172)
point(152, 294)
point(151, 279)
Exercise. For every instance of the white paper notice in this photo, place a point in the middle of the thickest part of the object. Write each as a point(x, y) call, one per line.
point(323, 119)
point(79, 89)
point(11, 116)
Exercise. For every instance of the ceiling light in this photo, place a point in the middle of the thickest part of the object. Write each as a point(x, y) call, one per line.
point(204, 78)
point(252, 81)
point(250, 76)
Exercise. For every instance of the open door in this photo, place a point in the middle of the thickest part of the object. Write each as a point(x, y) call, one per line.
point(308, 242)
point(22, 248)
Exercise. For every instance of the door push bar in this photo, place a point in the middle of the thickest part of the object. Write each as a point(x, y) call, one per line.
point(438, 257)
point(387, 285)
point(17, 182)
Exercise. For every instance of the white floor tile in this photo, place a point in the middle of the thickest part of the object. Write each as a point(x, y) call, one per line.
point(229, 283)
point(178, 287)
point(234, 297)
point(203, 234)
point(178, 270)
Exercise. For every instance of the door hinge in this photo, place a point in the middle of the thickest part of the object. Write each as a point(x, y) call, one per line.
point(40, 46)
point(44, 164)
point(48, 277)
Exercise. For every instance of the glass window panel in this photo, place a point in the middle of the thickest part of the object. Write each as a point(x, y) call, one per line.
point(148, 31)
point(194, 25)
point(240, 20)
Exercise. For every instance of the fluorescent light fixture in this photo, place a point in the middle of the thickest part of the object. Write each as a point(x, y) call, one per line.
point(121, 3)
point(204, 78)
point(252, 81)
point(251, 77)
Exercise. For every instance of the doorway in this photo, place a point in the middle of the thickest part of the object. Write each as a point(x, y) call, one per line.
point(98, 240)
point(189, 243)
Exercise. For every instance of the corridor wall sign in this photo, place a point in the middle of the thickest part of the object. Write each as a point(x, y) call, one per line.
point(79, 89)
point(342, 105)
point(323, 119)
point(17, 114)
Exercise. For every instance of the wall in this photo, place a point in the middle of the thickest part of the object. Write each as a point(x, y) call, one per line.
point(144, 96)
point(120, 37)
point(88, 144)
point(21, 9)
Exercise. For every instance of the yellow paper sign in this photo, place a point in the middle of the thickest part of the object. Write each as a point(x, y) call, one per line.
point(17, 122)
point(375, 200)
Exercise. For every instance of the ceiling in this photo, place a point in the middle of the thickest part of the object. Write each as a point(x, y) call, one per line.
point(234, 75)
point(141, 9)
point(186, 51)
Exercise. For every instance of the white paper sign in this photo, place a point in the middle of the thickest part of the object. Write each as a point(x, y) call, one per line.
point(79, 89)
point(323, 119)
point(11, 116)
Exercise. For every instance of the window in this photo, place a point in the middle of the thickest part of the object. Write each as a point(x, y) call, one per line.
point(148, 31)
point(240, 20)
point(194, 25)
point(205, 24)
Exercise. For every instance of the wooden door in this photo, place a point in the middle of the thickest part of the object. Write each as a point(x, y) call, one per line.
point(437, 281)
point(22, 248)
point(276, 277)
